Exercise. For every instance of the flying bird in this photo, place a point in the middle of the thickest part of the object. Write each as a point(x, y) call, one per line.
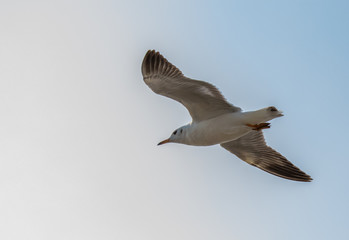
point(216, 121)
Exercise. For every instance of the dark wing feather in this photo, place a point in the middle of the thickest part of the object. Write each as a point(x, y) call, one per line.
point(252, 149)
point(203, 100)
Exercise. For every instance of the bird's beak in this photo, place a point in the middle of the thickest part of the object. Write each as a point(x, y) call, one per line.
point(281, 114)
point(163, 142)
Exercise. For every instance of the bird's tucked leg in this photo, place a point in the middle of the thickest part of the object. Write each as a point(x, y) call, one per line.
point(258, 127)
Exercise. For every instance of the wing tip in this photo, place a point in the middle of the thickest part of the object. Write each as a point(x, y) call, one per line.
point(306, 178)
point(291, 173)
point(154, 63)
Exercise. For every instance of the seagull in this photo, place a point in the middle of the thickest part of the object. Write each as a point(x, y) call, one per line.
point(216, 121)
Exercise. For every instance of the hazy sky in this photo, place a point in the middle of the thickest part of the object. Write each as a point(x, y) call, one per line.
point(79, 128)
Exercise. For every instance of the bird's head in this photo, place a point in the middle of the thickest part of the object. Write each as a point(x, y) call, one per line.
point(177, 136)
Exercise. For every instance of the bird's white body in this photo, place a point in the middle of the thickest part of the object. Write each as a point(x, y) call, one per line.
point(224, 128)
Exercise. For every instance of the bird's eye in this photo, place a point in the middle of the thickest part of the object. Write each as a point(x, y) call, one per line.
point(174, 133)
point(181, 130)
point(273, 109)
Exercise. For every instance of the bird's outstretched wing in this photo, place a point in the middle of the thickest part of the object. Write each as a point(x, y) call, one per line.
point(203, 100)
point(252, 149)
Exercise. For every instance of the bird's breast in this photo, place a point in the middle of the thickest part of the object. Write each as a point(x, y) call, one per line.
point(218, 130)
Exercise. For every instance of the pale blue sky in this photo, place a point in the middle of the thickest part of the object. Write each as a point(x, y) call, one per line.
point(79, 128)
